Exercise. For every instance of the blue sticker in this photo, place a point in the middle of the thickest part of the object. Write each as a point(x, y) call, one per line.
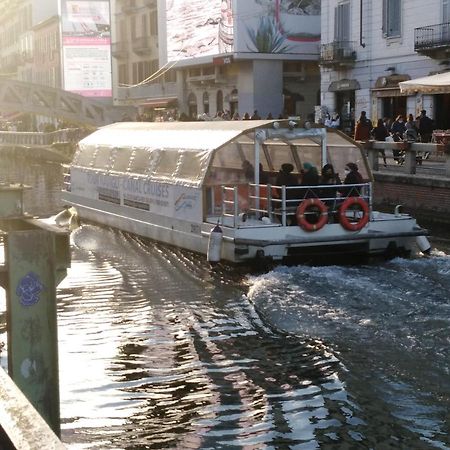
point(29, 289)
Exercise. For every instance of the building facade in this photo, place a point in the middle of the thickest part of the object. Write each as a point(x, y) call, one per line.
point(369, 47)
point(17, 19)
point(204, 58)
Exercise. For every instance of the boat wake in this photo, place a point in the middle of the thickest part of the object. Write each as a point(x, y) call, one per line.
point(387, 324)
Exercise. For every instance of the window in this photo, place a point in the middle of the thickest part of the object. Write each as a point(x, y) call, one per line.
point(392, 13)
point(342, 22)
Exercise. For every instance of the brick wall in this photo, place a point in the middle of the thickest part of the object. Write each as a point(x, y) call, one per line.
point(427, 197)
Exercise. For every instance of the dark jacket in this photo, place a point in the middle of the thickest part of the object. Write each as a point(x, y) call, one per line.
point(287, 179)
point(380, 133)
point(397, 130)
point(353, 177)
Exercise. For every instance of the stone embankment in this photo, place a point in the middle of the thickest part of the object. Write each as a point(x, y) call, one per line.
point(420, 181)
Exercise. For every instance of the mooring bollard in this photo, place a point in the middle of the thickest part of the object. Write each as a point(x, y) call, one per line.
point(37, 256)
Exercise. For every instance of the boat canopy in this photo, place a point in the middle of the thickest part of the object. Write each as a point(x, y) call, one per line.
point(213, 152)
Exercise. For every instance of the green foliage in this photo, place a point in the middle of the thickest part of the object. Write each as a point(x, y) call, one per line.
point(267, 38)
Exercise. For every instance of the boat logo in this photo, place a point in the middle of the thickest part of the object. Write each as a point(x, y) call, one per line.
point(185, 201)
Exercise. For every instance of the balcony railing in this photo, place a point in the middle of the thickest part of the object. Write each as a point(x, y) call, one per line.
point(432, 38)
point(119, 49)
point(338, 53)
point(142, 45)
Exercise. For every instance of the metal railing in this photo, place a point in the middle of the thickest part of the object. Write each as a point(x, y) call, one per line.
point(432, 36)
point(338, 52)
point(280, 203)
point(23, 138)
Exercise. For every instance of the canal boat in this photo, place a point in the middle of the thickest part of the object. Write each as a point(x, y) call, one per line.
point(211, 187)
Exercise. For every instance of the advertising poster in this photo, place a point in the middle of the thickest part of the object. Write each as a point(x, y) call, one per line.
point(277, 27)
point(198, 28)
point(86, 47)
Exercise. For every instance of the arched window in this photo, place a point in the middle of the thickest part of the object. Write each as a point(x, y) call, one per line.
point(219, 101)
point(234, 106)
point(205, 102)
point(192, 104)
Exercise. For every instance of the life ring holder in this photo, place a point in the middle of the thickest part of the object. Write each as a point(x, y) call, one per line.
point(344, 220)
point(301, 212)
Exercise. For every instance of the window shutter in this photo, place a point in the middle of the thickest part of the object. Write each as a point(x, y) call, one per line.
point(445, 11)
point(395, 18)
point(342, 22)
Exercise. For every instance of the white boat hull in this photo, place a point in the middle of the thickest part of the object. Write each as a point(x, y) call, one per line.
point(385, 234)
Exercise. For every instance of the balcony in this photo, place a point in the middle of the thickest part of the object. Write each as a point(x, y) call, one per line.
point(337, 54)
point(119, 50)
point(433, 40)
point(128, 6)
point(142, 45)
point(150, 3)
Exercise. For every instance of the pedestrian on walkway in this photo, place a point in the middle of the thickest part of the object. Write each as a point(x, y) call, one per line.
point(425, 127)
point(363, 128)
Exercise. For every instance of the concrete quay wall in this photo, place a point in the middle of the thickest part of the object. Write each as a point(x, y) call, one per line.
point(426, 197)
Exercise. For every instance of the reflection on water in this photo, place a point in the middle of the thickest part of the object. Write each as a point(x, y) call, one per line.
point(156, 351)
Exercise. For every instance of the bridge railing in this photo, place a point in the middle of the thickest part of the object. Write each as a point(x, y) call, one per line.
point(409, 155)
point(24, 138)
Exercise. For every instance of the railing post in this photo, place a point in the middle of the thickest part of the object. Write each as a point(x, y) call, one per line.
point(372, 155)
point(283, 206)
point(447, 159)
point(410, 158)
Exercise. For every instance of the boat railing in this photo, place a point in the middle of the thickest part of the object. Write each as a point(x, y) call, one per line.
point(280, 203)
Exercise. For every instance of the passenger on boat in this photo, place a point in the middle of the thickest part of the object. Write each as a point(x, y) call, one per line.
point(286, 178)
point(248, 169)
point(329, 177)
point(263, 176)
point(310, 177)
point(352, 176)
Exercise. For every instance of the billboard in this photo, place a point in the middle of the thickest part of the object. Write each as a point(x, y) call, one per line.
point(86, 47)
point(198, 28)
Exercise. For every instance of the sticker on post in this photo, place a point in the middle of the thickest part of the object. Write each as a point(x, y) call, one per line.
point(29, 289)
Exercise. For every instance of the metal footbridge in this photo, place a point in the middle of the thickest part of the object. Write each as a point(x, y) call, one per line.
point(19, 96)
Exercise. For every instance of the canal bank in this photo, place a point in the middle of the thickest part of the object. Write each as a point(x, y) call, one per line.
point(423, 196)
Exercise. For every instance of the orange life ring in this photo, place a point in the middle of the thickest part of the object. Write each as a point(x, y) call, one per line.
point(302, 209)
point(362, 221)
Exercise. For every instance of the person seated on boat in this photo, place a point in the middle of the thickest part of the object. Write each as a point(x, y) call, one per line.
point(352, 176)
point(249, 171)
point(331, 178)
point(285, 178)
point(310, 177)
point(263, 176)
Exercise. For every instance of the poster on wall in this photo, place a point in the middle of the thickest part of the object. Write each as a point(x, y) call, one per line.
point(278, 27)
point(197, 28)
point(86, 47)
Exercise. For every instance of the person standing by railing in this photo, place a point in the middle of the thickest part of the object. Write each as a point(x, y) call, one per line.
point(363, 128)
point(380, 133)
point(426, 127)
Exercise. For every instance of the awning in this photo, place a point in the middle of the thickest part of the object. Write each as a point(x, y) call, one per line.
point(388, 92)
point(158, 102)
point(433, 84)
point(344, 85)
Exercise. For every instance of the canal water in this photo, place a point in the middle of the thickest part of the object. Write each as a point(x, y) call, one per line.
point(158, 352)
